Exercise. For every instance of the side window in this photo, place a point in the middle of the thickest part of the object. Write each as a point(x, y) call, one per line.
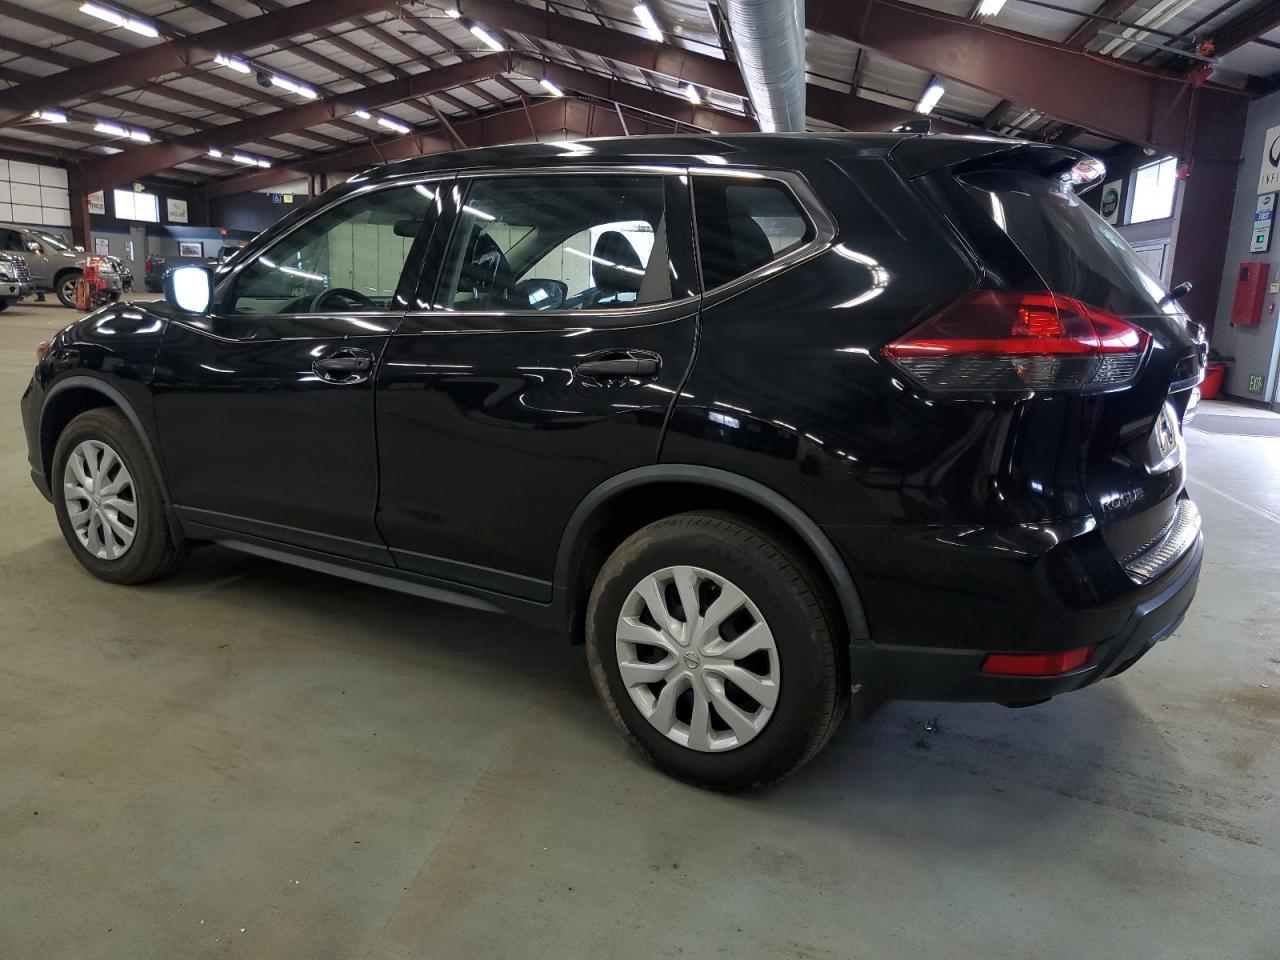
point(743, 224)
point(347, 260)
point(11, 240)
point(559, 242)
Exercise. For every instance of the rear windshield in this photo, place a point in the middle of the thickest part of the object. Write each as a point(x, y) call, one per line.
point(1073, 249)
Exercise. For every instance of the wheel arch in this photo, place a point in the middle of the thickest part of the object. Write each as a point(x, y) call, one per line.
point(72, 396)
point(628, 501)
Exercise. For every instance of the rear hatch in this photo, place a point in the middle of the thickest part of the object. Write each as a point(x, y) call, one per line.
point(1017, 205)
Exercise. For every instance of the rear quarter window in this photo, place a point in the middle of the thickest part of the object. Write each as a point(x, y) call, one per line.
point(745, 224)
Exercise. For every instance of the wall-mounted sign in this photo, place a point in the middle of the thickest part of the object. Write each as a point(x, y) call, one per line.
point(176, 210)
point(100, 246)
point(139, 187)
point(98, 203)
point(1263, 219)
point(1269, 175)
point(1109, 205)
point(191, 249)
point(288, 198)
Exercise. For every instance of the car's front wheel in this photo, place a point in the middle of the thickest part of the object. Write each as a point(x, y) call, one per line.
point(108, 500)
point(66, 287)
point(716, 649)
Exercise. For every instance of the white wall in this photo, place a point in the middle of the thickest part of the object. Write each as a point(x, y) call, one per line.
point(32, 193)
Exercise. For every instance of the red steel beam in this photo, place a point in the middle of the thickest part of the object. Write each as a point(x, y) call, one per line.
point(1117, 99)
point(141, 161)
point(172, 56)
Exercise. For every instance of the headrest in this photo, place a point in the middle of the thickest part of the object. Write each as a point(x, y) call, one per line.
point(616, 267)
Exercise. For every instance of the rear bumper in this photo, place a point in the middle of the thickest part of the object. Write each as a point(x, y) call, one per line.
point(932, 631)
point(924, 673)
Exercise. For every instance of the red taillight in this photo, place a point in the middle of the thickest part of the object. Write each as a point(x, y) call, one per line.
point(1007, 340)
point(148, 265)
point(1036, 664)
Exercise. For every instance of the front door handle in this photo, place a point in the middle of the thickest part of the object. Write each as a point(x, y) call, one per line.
point(620, 364)
point(345, 365)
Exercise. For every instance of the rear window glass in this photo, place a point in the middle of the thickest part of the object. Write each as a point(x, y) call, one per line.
point(1073, 249)
point(742, 225)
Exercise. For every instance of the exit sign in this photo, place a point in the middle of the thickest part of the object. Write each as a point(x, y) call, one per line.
point(1255, 383)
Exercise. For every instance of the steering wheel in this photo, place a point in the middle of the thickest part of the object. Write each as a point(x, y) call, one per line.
point(353, 297)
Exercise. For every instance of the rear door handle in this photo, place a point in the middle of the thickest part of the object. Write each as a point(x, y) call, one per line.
point(631, 363)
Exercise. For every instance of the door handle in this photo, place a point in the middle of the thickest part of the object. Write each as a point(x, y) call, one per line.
point(621, 364)
point(344, 366)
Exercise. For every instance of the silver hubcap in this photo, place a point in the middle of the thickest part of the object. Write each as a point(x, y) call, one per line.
point(69, 289)
point(698, 659)
point(102, 505)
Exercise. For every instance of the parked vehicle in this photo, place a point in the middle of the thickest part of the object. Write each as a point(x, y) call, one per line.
point(15, 279)
point(762, 420)
point(157, 267)
point(55, 265)
point(122, 271)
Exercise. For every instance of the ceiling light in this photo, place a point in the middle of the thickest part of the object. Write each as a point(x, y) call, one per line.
point(691, 94)
point(241, 158)
point(215, 152)
point(103, 13)
point(50, 116)
point(266, 164)
point(452, 13)
point(393, 125)
point(235, 63)
point(140, 135)
point(551, 88)
point(646, 20)
point(142, 27)
point(485, 37)
point(293, 86)
point(363, 115)
point(114, 129)
point(989, 8)
point(932, 94)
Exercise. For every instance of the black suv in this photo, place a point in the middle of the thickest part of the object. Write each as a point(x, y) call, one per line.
point(763, 420)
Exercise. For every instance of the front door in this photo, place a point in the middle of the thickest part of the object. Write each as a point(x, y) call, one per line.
point(265, 409)
point(541, 361)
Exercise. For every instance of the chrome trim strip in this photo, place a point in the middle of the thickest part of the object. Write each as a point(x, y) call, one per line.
point(1172, 542)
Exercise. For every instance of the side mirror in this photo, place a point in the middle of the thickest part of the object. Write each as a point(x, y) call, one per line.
point(34, 247)
point(189, 289)
point(79, 249)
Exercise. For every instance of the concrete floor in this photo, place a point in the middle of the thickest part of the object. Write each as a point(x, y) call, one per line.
point(250, 760)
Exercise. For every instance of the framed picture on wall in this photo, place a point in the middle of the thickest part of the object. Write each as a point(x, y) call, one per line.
point(192, 248)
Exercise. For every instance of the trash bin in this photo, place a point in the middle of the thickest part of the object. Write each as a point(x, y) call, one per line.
point(1213, 374)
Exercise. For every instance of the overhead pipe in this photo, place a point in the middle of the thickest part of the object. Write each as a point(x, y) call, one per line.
point(768, 39)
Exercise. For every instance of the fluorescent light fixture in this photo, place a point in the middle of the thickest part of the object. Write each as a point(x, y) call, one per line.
point(103, 13)
point(50, 116)
point(265, 164)
point(930, 98)
point(392, 125)
point(111, 129)
point(241, 158)
point(989, 8)
point(293, 86)
point(551, 88)
point(235, 63)
point(646, 20)
point(215, 152)
point(453, 13)
point(485, 37)
point(142, 27)
point(363, 114)
point(691, 94)
point(140, 135)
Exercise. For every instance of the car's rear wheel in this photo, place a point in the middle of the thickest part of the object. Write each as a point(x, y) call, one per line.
point(108, 500)
point(716, 649)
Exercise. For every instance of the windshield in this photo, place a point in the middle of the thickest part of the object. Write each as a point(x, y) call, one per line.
point(1074, 250)
point(49, 240)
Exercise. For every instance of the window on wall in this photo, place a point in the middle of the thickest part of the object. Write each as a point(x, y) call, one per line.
point(1153, 189)
point(137, 206)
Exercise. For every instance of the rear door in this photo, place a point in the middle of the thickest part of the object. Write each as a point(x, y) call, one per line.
point(540, 360)
point(1132, 448)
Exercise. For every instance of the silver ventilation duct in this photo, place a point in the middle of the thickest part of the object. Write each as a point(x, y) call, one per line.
point(768, 38)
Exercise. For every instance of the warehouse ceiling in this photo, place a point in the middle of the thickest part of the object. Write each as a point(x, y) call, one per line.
point(239, 94)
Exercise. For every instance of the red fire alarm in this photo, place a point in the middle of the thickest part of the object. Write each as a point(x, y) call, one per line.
point(1251, 291)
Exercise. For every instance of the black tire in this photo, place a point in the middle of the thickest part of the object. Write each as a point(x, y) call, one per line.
point(64, 285)
point(4, 305)
point(813, 691)
point(153, 552)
